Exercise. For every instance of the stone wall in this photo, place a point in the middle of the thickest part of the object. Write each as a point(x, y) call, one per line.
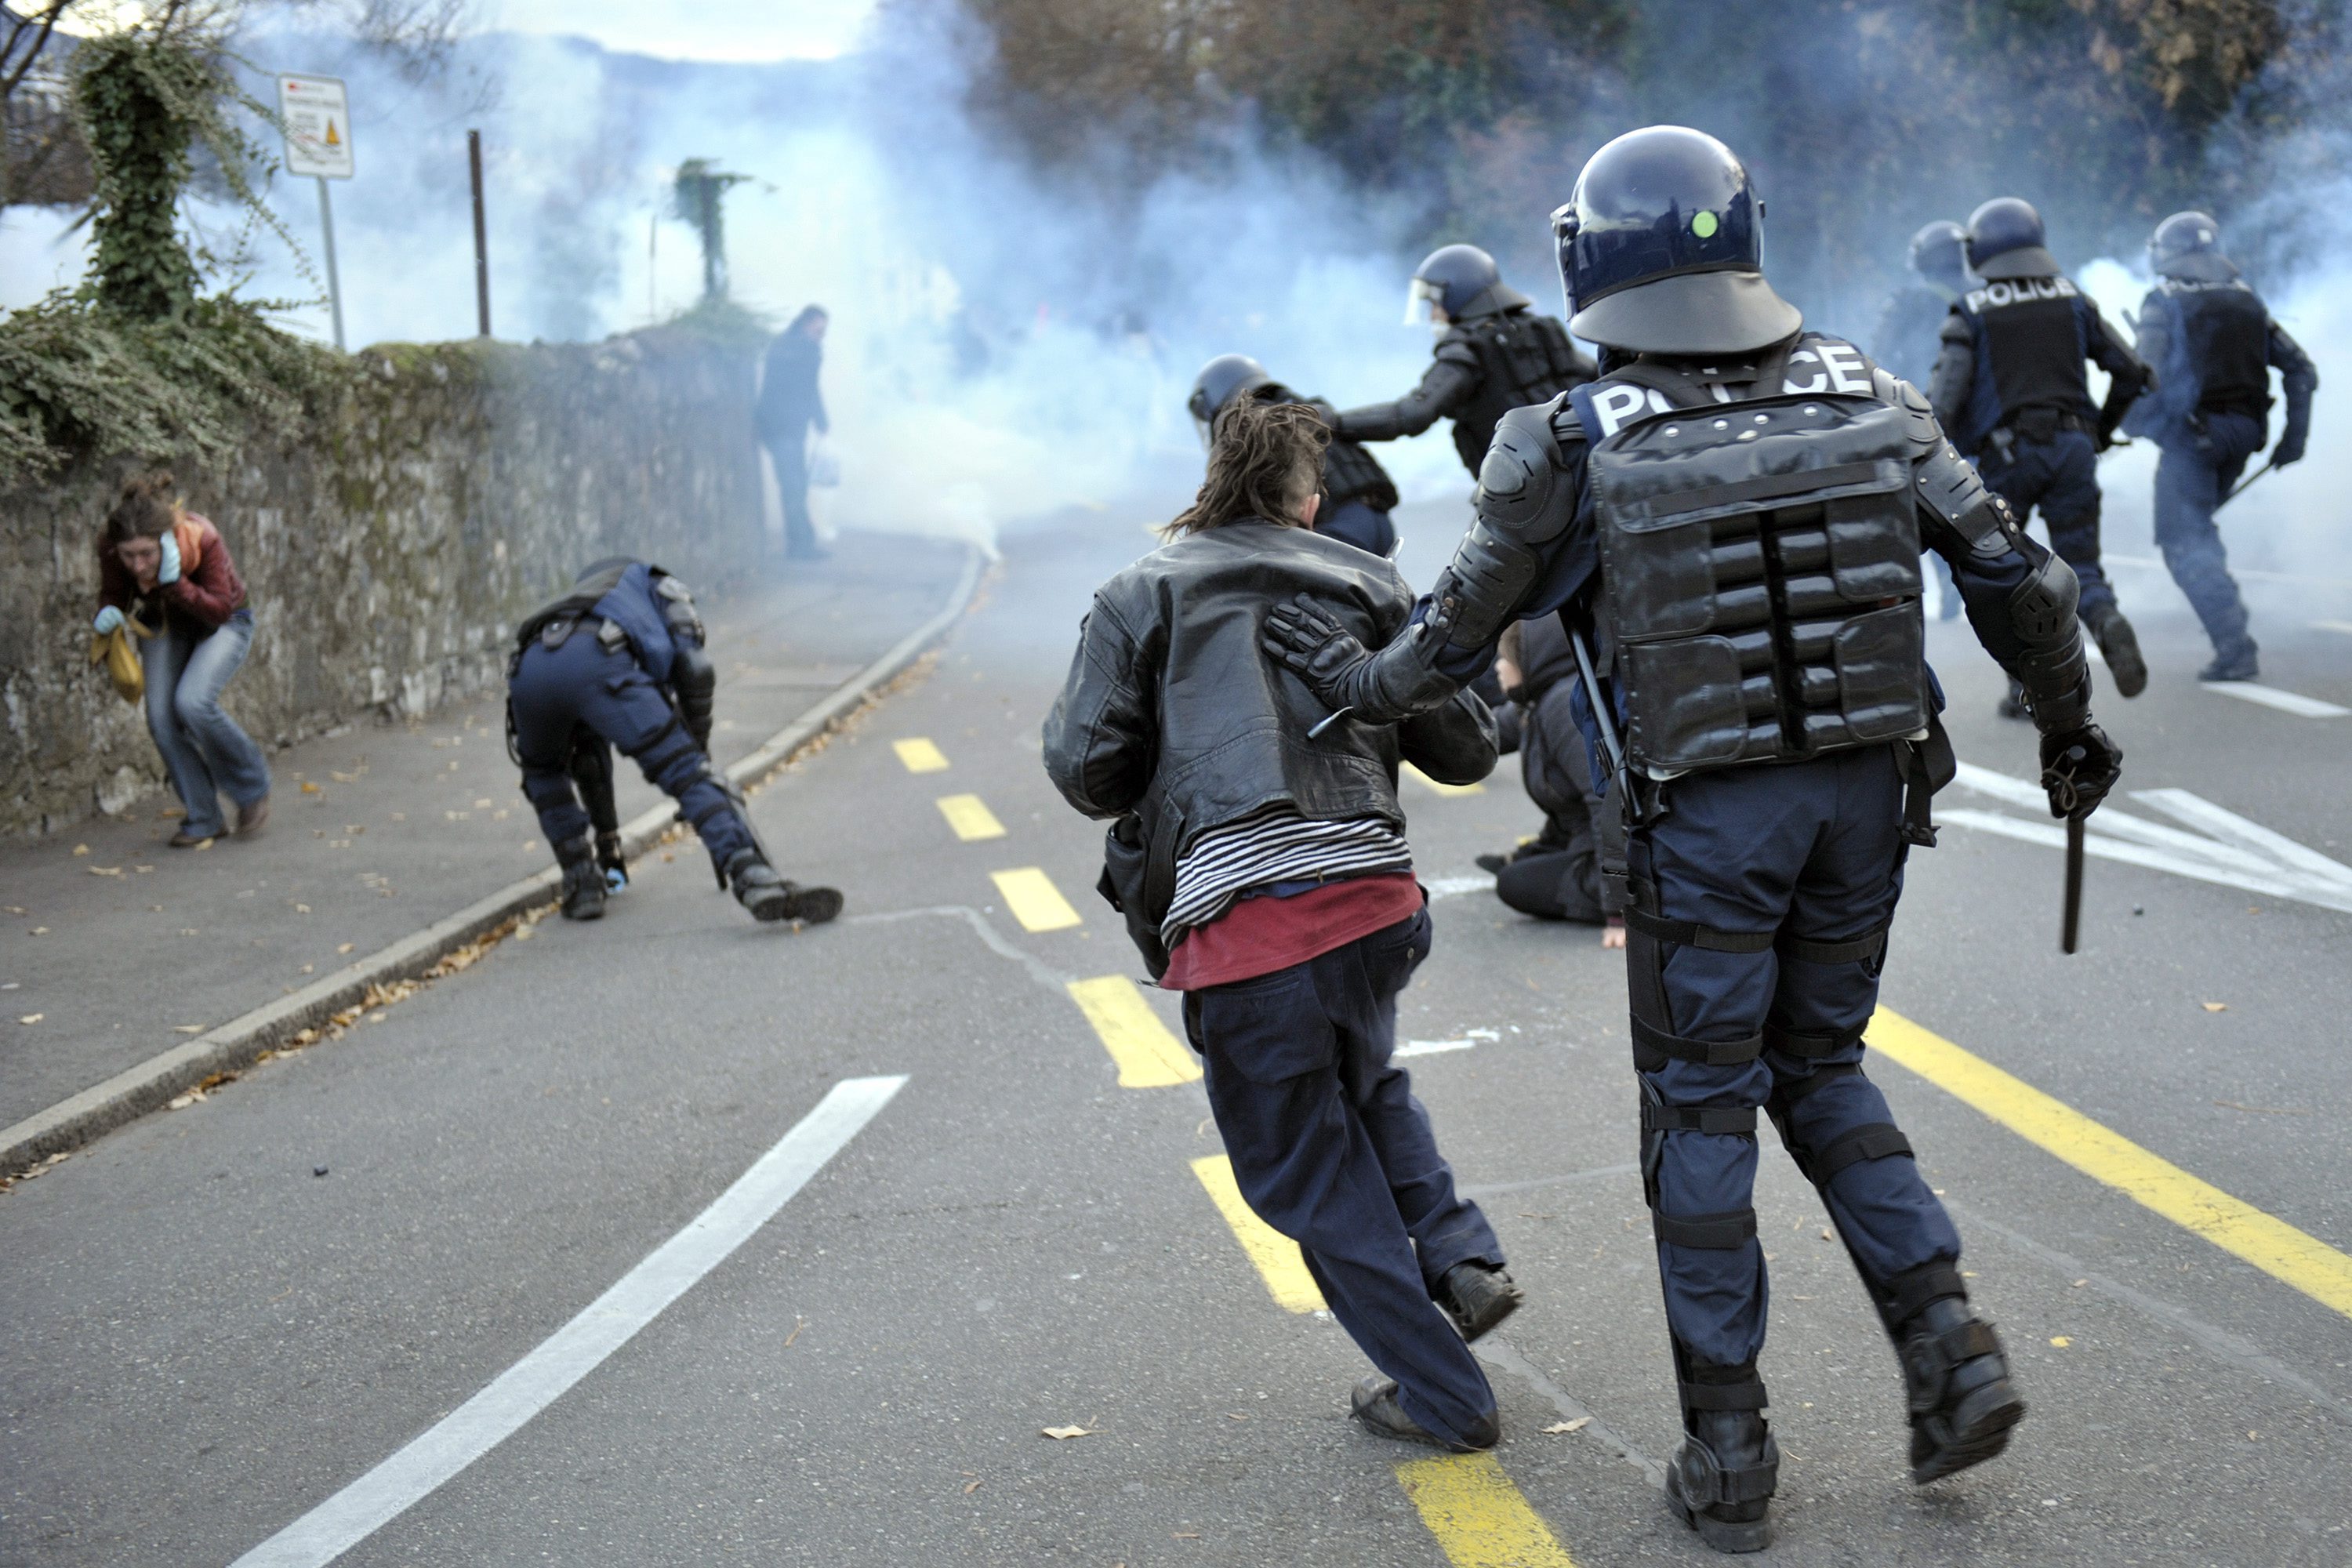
point(389, 552)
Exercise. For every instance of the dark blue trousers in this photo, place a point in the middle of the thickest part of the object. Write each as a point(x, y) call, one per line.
point(558, 690)
point(2192, 478)
point(2061, 476)
point(1805, 853)
point(1332, 1150)
point(1359, 525)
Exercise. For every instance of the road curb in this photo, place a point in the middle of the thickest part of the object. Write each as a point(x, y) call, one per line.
point(131, 1094)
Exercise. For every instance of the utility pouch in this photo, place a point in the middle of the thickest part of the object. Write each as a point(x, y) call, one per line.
point(1127, 858)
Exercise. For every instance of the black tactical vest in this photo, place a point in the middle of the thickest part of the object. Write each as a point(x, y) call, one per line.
point(1523, 358)
point(2227, 334)
point(1759, 563)
point(1351, 473)
point(2033, 337)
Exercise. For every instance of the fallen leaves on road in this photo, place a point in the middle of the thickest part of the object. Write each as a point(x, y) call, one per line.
point(1579, 1424)
point(187, 1028)
point(346, 947)
point(2217, 1006)
point(29, 1171)
point(32, 1017)
point(799, 1322)
point(81, 849)
point(309, 788)
point(2061, 1341)
point(201, 1092)
point(1061, 1434)
point(105, 871)
point(970, 1488)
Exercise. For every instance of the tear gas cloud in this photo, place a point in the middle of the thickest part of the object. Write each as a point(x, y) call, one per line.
point(1005, 343)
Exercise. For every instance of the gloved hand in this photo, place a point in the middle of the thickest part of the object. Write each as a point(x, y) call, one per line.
point(2078, 768)
point(2288, 450)
point(1382, 687)
point(169, 572)
point(1320, 651)
point(108, 619)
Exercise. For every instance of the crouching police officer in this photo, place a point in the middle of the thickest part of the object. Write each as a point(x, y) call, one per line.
point(1737, 507)
point(618, 661)
point(1358, 494)
point(1494, 353)
point(2213, 345)
point(2009, 386)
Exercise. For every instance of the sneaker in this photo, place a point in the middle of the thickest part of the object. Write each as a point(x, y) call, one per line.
point(1374, 1403)
point(251, 820)
point(2236, 664)
point(1477, 1298)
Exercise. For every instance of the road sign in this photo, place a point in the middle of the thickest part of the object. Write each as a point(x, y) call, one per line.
point(318, 126)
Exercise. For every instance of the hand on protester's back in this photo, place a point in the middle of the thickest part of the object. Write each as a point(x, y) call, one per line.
point(1318, 650)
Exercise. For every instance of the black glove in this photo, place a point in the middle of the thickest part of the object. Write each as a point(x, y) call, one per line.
point(2078, 768)
point(1322, 652)
point(1382, 687)
point(2288, 450)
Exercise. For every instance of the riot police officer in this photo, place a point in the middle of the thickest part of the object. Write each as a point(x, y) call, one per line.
point(1494, 353)
point(1910, 332)
point(618, 661)
point(2009, 389)
point(2213, 346)
point(1736, 507)
point(1358, 494)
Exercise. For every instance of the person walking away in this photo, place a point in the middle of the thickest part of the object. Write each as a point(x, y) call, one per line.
point(2213, 346)
point(1574, 867)
point(169, 568)
point(1910, 334)
point(2008, 388)
point(789, 404)
point(1736, 507)
point(1358, 494)
point(618, 661)
point(1494, 353)
point(1266, 875)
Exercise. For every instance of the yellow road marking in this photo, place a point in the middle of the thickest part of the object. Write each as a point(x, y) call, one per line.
point(1148, 1057)
point(970, 816)
point(1276, 1255)
point(1033, 900)
point(1479, 1518)
point(920, 755)
point(1425, 782)
point(2270, 1245)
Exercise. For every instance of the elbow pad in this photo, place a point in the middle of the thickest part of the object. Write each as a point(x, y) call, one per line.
point(685, 622)
point(1951, 492)
point(2052, 667)
point(694, 681)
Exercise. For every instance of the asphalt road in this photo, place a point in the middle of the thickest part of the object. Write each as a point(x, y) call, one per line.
point(206, 1341)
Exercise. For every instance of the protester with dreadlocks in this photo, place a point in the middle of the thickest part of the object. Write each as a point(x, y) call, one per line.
point(1264, 873)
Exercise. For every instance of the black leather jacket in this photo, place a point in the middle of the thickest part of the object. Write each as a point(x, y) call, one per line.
point(1172, 713)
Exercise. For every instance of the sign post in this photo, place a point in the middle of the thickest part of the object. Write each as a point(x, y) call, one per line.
point(317, 123)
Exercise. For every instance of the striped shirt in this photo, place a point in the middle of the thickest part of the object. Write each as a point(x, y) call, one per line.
point(1275, 846)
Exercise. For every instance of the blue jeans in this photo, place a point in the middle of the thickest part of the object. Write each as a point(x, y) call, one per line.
point(2190, 480)
point(203, 750)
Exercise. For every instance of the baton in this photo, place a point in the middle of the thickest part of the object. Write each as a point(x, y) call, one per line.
point(2240, 488)
point(2071, 924)
point(1606, 724)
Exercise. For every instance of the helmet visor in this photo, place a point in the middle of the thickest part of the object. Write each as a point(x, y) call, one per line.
point(1421, 301)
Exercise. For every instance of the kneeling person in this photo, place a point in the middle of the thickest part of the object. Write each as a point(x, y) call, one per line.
point(1266, 875)
point(618, 661)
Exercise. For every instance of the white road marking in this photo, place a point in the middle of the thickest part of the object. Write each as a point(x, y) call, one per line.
point(1454, 887)
point(2293, 702)
point(1431, 1048)
point(2345, 626)
point(578, 1348)
point(2228, 849)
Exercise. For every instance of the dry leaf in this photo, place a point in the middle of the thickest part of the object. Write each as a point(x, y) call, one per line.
point(40, 930)
point(309, 788)
point(187, 1028)
point(1579, 1424)
point(301, 909)
point(32, 1017)
point(1060, 1433)
point(106, 870)
point(2217, 1006)
point(81, 849)
point(970, 1488)
point(2061, 1341)
point(346, 947)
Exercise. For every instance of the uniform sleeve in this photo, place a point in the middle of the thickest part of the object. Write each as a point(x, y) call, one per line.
point(1098, 739)
point(1444, 387)
point(1954, 380)
point(2128, 375)
point(1453, 742)
point(2301, 379)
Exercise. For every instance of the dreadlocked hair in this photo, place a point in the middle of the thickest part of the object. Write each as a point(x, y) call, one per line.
point(1265, 460)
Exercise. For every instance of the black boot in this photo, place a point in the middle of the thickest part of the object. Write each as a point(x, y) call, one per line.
point(1374, 1403)
point(1963, 1405)
point(771, 898)
point(1723, 1478)
point(1477, 1298)
point(2119, 646)
point(2236, 662)
point(583, 880)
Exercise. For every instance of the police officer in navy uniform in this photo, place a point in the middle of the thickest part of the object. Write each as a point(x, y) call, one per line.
point(618, 661)
point(1911, 330)
point(2213, 346)
point(1737, 509)
point(2009, 389)
point(1494, 353)
point(1358, 494)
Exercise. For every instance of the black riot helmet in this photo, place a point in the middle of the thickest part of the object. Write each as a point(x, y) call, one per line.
point(1221, 381)
point(2006, 240)
point(1939, 253)
point(2189, 245)
point(1461, 280)
point(1661, 249)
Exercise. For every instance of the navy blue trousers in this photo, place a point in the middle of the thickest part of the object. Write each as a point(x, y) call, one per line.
point(2190, 480)
point(1812, 851)
point(1332, 1150)
point(1355, 523)
point(2061, 476)
point(558, 690)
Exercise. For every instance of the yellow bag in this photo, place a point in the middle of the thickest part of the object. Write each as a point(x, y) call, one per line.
point(116, 651)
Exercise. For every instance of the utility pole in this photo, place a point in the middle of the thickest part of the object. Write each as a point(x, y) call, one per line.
point(481, 234)
point(316, 115)
point(334, 280)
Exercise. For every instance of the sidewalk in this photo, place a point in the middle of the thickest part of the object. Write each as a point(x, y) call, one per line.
point(122, 947)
